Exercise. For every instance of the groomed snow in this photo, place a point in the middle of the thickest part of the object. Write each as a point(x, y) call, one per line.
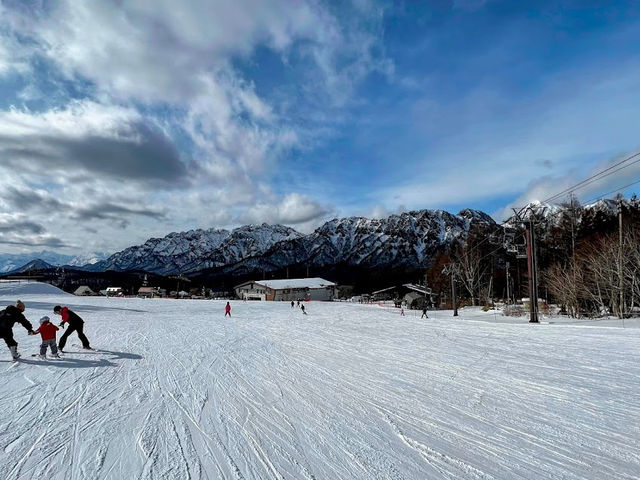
point(347, 392)
point(25, 289)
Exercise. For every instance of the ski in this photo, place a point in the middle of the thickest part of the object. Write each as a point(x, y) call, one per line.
point(77, 345)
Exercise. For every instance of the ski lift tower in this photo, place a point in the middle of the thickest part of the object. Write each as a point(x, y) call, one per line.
point(527, 217)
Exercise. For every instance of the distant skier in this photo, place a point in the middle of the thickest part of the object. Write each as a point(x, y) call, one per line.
point(401, 311)
point(75, 324)
point(424, 313)
point(227, 310)
point(8, 317)
point(298, 303)
point(48, 331)
point(292, 304)
point(303, 310)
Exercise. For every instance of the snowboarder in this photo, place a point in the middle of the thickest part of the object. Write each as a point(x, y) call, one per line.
point(292, 304)
point(424, 313)
point(227, 310)
point(8, 317)
point(303, 310)
point(75, 324)
point(47, 331)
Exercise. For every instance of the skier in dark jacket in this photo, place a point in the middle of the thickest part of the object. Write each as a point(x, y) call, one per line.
point(8, 317)
point(76, 324)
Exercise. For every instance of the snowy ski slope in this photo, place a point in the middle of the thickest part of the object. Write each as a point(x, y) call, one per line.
point(346, 392)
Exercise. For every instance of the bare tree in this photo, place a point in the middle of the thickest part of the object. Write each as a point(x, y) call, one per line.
point(471, 271)
point(566, 284)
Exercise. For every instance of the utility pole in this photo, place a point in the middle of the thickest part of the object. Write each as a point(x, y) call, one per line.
point(620, 272)
point(452, 269)
point(508, 293)
point(531, 266)
point(453, 295)
point(572, 209)
point(426, 303)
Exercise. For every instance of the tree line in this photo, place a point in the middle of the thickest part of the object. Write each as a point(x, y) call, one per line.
point(586, 264)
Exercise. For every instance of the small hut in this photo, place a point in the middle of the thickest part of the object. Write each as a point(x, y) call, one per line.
point(84, 291)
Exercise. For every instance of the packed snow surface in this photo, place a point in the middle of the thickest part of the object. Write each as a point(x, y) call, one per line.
point(178, 391)
point(20, 289)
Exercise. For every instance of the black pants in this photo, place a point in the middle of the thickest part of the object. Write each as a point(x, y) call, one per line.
point(70, 330)
point(7, 335)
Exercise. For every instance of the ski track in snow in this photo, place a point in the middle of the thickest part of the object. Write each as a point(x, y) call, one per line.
point(177, 391)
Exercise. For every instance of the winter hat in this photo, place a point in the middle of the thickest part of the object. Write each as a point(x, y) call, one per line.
point(57, 308)
point(20, 305)
point(44, 319)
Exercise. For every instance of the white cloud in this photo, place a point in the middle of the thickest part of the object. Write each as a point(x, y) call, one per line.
point(88, 138)
point(166, 104)
point(294, 209)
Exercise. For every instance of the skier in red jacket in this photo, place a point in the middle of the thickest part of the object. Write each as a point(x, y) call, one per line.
point(76, 324)
point(227, 310)
point(48, 331)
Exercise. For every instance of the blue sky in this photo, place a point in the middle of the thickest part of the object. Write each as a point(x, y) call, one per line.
point(125, 120)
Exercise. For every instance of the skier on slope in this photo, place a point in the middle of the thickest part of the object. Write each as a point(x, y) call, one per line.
point(227, 310)
point(292, 304)
point(75, 324)
point(303, 310)
point(424, 313)
point(47, 331)
point(8, 317)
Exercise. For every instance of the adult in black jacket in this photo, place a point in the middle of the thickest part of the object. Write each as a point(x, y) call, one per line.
point(76, 324)
point(8, 318)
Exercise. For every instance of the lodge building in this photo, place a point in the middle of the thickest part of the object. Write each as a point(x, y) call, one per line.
point(287, 290)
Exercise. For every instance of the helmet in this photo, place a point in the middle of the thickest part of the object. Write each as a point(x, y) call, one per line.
point(44, 319)
point(20, 305)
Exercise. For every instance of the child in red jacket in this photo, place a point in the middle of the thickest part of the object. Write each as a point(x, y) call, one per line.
point(47, 331)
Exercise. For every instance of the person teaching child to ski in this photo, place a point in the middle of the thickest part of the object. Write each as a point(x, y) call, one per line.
point(75, 324)
point(8, 317)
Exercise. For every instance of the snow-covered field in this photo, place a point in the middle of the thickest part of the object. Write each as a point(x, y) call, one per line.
point(346, 392)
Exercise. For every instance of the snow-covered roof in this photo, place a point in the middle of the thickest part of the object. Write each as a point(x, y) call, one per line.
point(83, 289)
point(417, 288)
point(383, 290)
point(296, 283)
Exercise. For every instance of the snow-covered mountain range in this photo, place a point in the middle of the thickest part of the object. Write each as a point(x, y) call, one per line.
point(194, 250)
point(10, 262)
point(406, 240)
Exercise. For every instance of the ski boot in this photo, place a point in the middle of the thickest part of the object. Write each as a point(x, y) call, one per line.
point(14, 353)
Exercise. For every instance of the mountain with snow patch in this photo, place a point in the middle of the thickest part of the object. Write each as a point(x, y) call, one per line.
point(185, 252)
point(407, 240)
point(14, 261)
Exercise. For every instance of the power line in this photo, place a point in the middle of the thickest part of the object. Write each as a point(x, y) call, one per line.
point(587, 181)
point(595, 176)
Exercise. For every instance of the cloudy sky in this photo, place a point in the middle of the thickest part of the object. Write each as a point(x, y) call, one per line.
point(122, 120)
